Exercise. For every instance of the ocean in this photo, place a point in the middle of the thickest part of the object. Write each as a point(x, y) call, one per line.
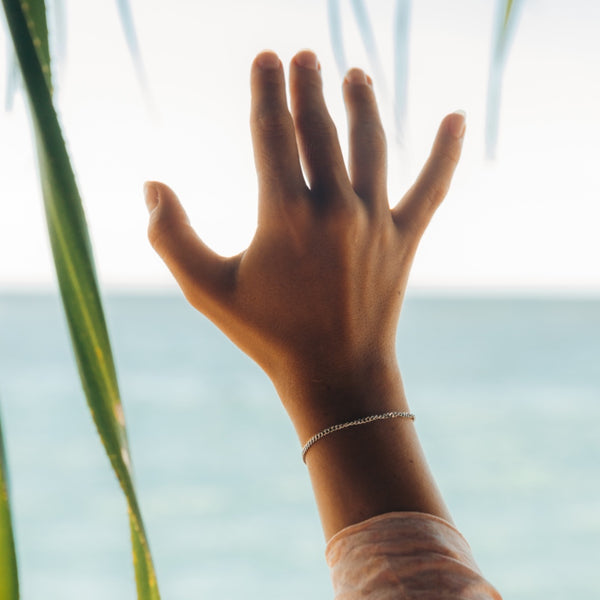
point(507, 396)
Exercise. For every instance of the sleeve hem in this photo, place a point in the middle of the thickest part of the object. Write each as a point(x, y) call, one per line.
point(356, 527)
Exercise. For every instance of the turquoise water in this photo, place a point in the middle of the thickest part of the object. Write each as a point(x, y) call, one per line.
point(507, 396)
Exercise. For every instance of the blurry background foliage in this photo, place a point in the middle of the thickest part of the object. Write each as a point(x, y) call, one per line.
point(31, 62)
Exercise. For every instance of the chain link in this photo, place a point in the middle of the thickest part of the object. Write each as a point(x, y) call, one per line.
point(388, 415)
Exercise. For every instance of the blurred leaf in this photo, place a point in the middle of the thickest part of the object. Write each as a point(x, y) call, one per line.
point(507, 13)
point(401, 54)
point(57, 16)
point(77, 279)
point(126, 17)
point(34, 12)
point(368, 38)
point(35, 15)
point(335, 33)
point(504, 26)
point(366, 32)
point(9, 577)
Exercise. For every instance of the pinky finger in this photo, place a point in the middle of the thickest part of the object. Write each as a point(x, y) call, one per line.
point(418, 205)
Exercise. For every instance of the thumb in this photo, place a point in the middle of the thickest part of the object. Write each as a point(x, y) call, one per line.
point(419, 204)
point(200, 272)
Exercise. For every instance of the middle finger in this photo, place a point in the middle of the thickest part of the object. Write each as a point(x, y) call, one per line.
point(315, 131)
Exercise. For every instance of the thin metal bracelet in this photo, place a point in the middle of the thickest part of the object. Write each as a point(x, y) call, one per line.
point(396, 414)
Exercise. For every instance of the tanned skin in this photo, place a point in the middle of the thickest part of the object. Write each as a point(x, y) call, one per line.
point(315, 298)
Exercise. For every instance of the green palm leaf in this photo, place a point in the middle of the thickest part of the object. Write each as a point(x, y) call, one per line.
point(9, 579)
point(59, 28)
point(504, 27)
point(75, 269)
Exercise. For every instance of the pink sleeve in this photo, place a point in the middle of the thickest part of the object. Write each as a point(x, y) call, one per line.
point(405, 556)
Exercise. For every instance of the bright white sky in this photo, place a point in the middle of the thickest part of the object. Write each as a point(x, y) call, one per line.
point(529, 220)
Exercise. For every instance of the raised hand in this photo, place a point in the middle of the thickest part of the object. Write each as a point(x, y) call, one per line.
point(315, 298)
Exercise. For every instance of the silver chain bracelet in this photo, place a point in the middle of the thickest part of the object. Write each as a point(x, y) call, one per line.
point(388, 415)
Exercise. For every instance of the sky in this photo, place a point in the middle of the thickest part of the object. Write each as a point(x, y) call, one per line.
point(527, 221)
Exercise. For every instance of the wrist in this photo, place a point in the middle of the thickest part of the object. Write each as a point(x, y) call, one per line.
point(316, 399)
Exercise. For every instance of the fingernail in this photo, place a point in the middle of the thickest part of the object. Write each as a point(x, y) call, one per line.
point(151, 195)
point(356, 76)
point(307, 59)
point(458, 126)
point(268, 60)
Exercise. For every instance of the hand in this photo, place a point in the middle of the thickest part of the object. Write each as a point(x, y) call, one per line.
point(315, 298)
point(317, 294)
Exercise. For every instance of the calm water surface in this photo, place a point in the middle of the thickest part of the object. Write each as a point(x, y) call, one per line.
point(507, 396)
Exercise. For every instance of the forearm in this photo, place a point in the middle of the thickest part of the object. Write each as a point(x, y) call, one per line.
point(363, 471)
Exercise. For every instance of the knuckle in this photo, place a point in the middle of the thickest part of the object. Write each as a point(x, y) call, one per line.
point(155, 236)
point(344, 220)
point(435, 193)
point(311, 122)
point(449, 153)
point(272, 123)
point(371, 138)
point(159, 232)
point(377, 135)
point(154, 231)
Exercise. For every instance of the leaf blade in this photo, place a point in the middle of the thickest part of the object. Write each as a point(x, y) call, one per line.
point(365, 28)
point(334, 19)
point(126, 18)
point(34, 12)
point(9, 575)
point(504, 25)
point(78, 285)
